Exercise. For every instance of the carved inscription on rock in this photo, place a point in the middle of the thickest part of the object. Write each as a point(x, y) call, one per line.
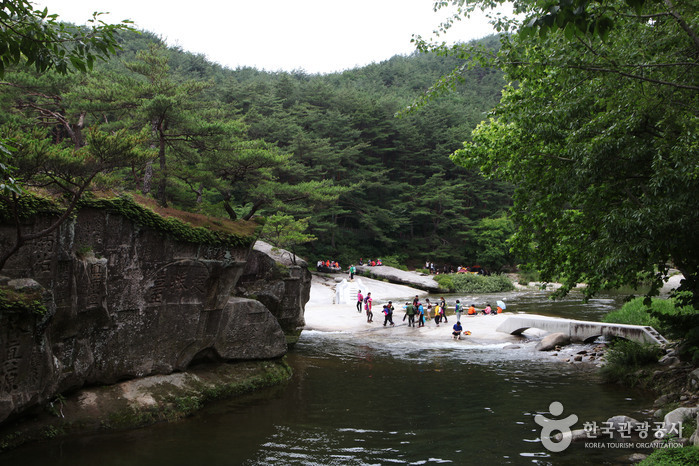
point(179, 282)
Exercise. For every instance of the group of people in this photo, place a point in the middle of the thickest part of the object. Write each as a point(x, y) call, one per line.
point(328, 264)
point(434, 270)
point(417, 313)
point(370, 262)
point(367, 303)
point(472, 311)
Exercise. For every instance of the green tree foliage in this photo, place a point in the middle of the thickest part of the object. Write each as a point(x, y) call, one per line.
point(181, 122)
point(401, 192)
point(35, 38)
point(598, 132)
point(286, 232)
point(490, 237)
point(31, 38)
point(44, 164)
point(241, 143)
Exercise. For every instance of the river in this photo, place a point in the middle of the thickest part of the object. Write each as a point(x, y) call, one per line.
point(366, 400)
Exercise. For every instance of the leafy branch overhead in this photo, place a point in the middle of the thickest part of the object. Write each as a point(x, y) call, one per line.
point(597, 26)
point(598, 133)
point(35, 38)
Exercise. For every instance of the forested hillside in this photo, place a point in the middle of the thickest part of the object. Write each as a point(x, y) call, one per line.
point(242, 143)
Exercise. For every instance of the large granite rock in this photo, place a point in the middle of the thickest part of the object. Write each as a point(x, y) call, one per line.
point(281, 282)
point(403, 277)
point(122, 301)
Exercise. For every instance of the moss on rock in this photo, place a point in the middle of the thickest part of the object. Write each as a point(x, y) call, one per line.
point(29, 302)
point(31, 205)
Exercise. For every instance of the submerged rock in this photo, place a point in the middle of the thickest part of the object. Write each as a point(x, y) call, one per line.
point(552, 340)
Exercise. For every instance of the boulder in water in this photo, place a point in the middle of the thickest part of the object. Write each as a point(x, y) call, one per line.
point(552, 340)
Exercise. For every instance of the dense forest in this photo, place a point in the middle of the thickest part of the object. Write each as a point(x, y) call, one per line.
point(334, 152)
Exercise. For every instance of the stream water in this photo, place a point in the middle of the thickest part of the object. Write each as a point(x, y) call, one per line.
point(362, 400)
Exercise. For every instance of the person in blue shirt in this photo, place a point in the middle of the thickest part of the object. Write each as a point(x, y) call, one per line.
point(456, 334)
point(420, 315)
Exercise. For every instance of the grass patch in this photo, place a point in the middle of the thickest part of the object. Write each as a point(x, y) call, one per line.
point(636, 312)
point(626, 360)
point(630, 353)
point(223, 225)
point(183, 226)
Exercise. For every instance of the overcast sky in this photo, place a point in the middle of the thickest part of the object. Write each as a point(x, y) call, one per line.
point(318, 36)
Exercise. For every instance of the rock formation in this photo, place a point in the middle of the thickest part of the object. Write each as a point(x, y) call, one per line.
point(280, 282)
point(119, 300)
point(402, 277)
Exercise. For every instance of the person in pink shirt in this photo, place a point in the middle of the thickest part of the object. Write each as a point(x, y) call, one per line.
point(367, 307)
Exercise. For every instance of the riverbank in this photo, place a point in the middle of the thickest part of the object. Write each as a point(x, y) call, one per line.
point(323, 315)
point(143, 401)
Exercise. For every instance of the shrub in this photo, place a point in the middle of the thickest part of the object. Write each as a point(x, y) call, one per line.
point(673, 456)
point(446, 283)
point(629, 353)
point(624, 360)
point(528, 275)
point(635, 312)
point(668, 316)
point(470, 283)
point(397, 261)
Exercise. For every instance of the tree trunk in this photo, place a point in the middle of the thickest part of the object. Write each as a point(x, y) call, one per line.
point(79, 131)
point(227, 205)
point(162, 183)
point(147, 177)
point(254, 209)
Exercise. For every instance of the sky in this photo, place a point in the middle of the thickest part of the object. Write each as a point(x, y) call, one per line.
point(316, 36)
